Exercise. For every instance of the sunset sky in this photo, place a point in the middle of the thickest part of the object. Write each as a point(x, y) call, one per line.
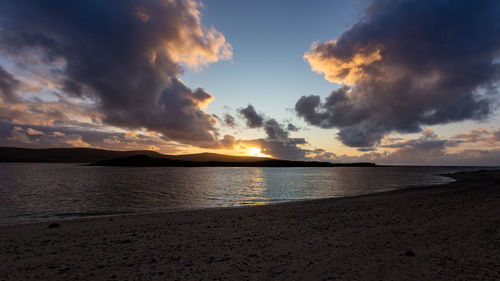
point(391, 82)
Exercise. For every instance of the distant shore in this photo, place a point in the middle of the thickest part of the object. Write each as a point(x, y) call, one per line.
point(429, 233)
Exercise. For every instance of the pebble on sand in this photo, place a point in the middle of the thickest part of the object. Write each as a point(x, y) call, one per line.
point(409, 253)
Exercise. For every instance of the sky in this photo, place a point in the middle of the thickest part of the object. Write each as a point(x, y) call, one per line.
point(392, 82)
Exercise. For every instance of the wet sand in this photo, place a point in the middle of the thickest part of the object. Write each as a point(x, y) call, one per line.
point(450, 232)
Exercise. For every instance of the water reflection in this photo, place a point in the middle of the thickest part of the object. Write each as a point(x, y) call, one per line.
point(40, 191)
point(252, 193)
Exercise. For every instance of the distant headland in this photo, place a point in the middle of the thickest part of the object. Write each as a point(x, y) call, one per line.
point(146, 158)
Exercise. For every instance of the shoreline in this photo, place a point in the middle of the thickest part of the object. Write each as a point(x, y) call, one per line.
point(120, 213)
point(448, 231)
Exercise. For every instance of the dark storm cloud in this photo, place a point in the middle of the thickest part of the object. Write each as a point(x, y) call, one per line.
point(182, 105)
point(8, 85)
point(125, 56)
point(407, 64)
point(253, 119)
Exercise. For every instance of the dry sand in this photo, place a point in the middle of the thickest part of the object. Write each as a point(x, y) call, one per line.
point(450, 232)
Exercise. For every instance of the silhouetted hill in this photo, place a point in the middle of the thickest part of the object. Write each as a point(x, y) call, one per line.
point(146, 158)
point(91, 155)
point(146, 161)
point(204, 157)
point(66, 155)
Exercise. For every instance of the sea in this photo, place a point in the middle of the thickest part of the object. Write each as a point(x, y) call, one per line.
point(32, 192)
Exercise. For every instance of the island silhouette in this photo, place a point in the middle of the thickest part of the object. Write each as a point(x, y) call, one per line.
point(146, 158)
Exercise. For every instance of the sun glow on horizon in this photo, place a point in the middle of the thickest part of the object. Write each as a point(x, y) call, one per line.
point(256, 152)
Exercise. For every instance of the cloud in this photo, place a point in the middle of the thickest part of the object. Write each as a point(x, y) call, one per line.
point(229, 120)
point(424, 150)
point(320, 154)
point(280, 149)
point(407, 64)
point(476, 135)
point(8, 85)
point(278, 142)
point(253, 119)
point(275, 131)
point(338, 69)
point(480, 135)
point(30, 131)
point(228, 142)
point(366, 149)
point(292, 128)
point(71, 136)
point(59, 113)
point(121, 60)
point(32, 137)
point(428, 149)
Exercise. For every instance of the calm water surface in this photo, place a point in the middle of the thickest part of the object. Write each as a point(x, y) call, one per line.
point(38, 192)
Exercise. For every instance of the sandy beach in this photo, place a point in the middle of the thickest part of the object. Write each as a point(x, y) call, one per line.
point(450, 232)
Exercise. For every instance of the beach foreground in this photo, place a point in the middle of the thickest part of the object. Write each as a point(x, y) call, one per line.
point(435, 233)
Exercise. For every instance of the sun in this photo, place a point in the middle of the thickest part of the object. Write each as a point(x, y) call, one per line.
point(256, 152)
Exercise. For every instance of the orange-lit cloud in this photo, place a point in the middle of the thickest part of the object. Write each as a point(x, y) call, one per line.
point(347, 70)
point(121, 78)
point(29, 136)
point(401, 73)
point(192, 44)
point(480, 135)
point(195, 55)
